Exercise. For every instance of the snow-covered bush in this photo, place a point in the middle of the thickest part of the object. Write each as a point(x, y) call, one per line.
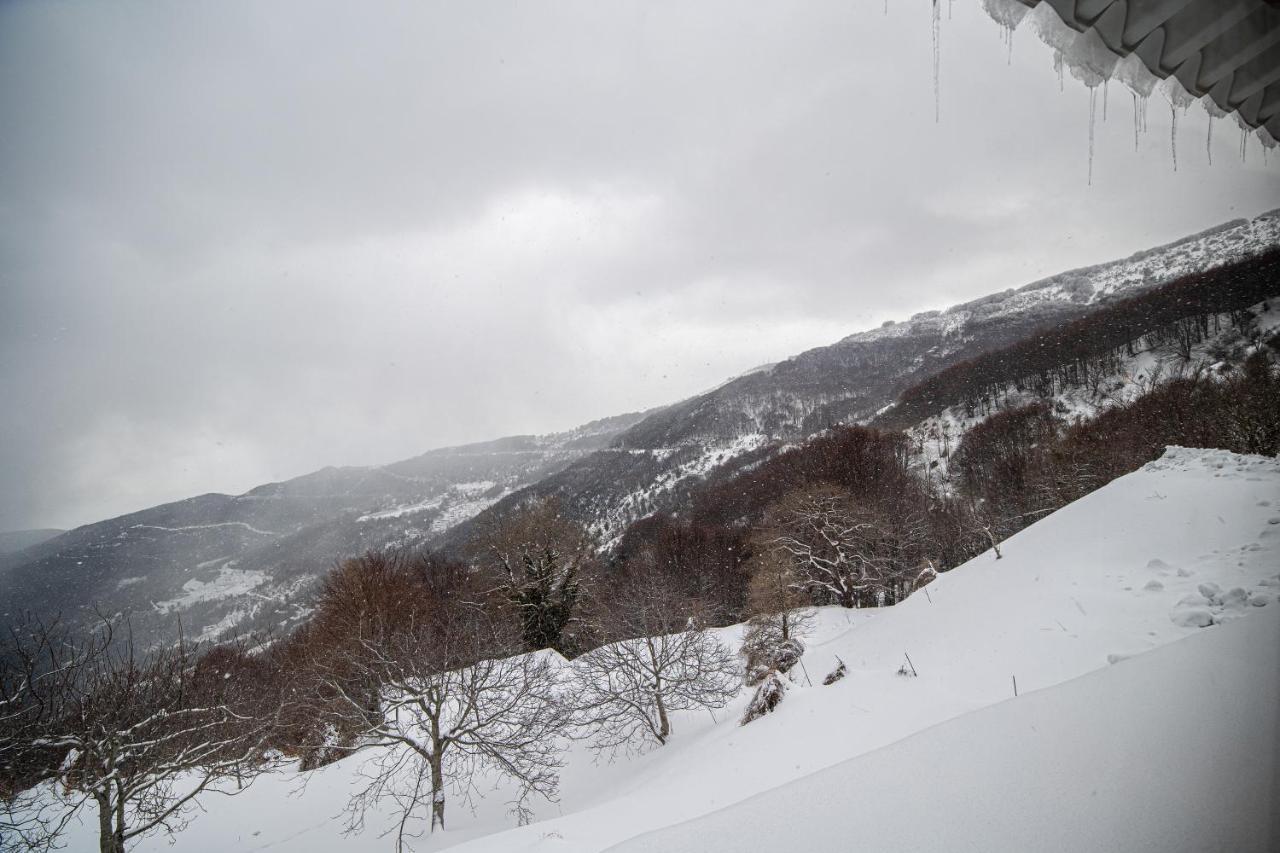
point(836, 674)
point(771, 691)
point(765, 656)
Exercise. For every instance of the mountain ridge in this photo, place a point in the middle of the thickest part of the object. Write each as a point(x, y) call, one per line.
point(227, 562)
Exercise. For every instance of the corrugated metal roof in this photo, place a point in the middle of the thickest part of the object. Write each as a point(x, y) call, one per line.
point(1228, 50)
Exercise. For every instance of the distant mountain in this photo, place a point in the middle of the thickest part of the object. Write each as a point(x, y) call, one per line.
point(228, 563)
point(12, 541)
point(649, 466)
point(223, 561)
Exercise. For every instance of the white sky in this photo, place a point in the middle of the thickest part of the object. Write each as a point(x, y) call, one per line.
point(240, 240)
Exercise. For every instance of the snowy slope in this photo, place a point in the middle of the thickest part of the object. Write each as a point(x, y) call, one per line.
point(1191, 539)
point(1093, 764)
point(1070, 594)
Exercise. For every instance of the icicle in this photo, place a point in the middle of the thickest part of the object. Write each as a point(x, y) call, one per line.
point(1245, 132)
point(1140, 82)
point(937, 61)
point(950, 3)
point(1093, 111)
point(1008, 14)
point(1179, 98)
point(1105, 84)
point(1058, 66)
point(1214, 112)
point(886, 8)
point(1137, 123)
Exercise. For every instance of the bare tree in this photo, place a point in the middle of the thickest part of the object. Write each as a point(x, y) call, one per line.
point(539, 556)
point(776, 601)
point(846, 552)
point(449, 706)
point(778, 611)
point(667, 661)
point(38, 666)
point(125, 732)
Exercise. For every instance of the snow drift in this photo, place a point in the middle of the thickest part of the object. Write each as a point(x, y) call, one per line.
point(1173, 751)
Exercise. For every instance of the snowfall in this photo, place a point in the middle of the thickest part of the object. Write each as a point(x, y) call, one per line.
point(1142, 626)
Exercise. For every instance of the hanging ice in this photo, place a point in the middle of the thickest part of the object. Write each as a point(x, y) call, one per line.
point(1215, 112)
point(1008, 14)
point(936, 30)
point(1267, 141)
point(1134, 75)
point(1092, 62)
point(1179, 99)
point(1093, 110)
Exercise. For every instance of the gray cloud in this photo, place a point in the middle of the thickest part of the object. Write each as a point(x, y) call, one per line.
point(240, 241)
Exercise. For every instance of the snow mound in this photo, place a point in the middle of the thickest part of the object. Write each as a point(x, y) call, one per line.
point(1092, 764)
point(1220, 463)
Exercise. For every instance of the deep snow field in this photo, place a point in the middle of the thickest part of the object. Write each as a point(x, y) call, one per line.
point(1143, 628)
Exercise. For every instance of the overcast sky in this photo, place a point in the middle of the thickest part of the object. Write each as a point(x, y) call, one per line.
point(240, 241)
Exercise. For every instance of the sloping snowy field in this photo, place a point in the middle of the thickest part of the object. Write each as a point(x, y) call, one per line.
point(1171, 751)
point(1175, 744)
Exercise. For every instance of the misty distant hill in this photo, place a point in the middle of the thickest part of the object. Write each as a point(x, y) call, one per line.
point(219, 561)
point(12, 541)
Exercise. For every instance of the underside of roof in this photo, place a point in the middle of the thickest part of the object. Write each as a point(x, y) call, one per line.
point(1227, 51)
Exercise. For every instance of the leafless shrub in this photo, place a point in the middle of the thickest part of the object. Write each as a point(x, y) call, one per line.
point(836, 674)
point(767, 697)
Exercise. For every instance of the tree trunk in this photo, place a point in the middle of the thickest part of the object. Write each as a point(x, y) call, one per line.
point(437, 792)
point(109, 838)
point(664, 725)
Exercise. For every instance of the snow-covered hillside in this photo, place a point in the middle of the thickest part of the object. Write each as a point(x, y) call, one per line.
point(1140, 713)
point(1207, 250)
point(651, 465)
point(935, 437)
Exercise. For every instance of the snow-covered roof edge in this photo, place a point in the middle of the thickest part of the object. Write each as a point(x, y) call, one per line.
point(1225, 54)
